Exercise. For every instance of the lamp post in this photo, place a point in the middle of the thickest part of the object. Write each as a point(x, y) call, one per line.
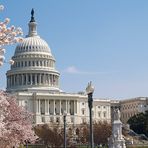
point(64, 118)
point(89, 91)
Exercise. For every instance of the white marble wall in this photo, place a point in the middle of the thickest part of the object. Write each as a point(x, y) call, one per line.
point(49, 108)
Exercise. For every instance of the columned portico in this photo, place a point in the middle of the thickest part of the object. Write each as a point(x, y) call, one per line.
point(46, 108)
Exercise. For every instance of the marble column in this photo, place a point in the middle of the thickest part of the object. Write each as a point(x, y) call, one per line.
point(22, 79)
point(39, 106)
point(31, 79)
point(53, 78)
point(39, 79)
point(47, 107)
point(47, 111)
point(26, 79)
point(66, 106)
point(50, 79)
point(77, 106)
point(53, 107)
point(60, 107)
point(35, 77)
point(73, 107)
point(44, 78)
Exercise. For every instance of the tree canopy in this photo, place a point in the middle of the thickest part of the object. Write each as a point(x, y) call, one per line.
point(52, 134)
point(15, 122)
point(8, 35)
point(139, 123)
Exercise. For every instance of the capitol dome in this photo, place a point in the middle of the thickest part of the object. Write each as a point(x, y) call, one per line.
point(32, 44)
point(34, 64)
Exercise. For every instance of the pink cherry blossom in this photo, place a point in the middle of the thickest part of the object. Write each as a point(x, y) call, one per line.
point(15, 122)
point(8, 35)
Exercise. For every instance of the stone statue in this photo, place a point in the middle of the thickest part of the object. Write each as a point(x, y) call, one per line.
point(32, 12)
point(117, 114)
point(116, 140)
point(32, 16)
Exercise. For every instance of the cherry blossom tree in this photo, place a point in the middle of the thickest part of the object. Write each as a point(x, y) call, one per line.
point(15, 123)
point(8, 35)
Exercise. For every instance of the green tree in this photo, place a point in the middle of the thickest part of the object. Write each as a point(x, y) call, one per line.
point(139, 123)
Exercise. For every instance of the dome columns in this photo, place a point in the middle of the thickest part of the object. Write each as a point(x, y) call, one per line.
point(32, 79)
point(43, 63)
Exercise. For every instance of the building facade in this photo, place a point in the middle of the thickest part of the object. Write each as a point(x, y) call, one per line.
point(35, 81)
point(133, 106)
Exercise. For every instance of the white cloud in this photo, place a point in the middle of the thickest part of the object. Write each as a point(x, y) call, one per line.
point(74, 70)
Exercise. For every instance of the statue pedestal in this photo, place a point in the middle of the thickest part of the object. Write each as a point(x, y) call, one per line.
point(116, 140)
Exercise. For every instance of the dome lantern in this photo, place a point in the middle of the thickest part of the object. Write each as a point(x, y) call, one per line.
point(32, 25)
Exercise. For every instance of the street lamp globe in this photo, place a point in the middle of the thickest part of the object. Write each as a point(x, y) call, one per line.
point(89, 88)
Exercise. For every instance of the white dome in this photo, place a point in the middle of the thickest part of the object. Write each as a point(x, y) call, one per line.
point(32, 44)
point(34, 66)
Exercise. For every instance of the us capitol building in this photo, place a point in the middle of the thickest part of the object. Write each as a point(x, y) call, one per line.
point(35, 81)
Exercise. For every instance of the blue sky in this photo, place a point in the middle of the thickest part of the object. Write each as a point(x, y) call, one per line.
point(105, 42)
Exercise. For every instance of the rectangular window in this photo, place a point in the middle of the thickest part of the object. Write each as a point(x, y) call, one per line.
point(104, 114)
point(99, 114)
point(83, 112)
point(57, 120)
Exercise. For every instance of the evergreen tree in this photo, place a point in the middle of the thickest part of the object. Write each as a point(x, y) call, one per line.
point(139, 123)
